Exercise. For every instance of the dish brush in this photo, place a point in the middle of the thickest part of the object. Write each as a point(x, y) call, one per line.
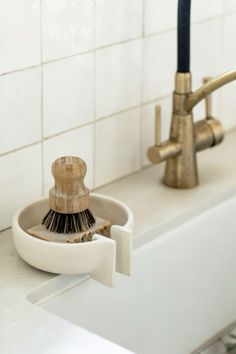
point(69, 218)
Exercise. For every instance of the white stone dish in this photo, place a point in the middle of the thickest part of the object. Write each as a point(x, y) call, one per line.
point(100, 258)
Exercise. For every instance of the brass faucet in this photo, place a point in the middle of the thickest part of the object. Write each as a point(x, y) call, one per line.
point(187, 137)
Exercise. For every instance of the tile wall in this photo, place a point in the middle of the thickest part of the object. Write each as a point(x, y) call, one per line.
point(82, 77)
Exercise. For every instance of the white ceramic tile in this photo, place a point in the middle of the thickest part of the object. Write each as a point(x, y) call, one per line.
point(228, 102)
point(68, 27)
point(148, 127)
point(20, 113)
point(202, 9)
point(159, 65)
point(118, 77)
point(19, 34)
point(162, 15)
point(159, 15)
point(78, 142)
point(68, 93)
point(206, 56)
point(117, 146)
point(228, 106)
point(199, 111)
point(21, 172)
point(229, 38)
point(230, 6)
point(117, 21)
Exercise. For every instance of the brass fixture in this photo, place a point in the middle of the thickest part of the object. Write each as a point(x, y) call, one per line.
point(187, 137)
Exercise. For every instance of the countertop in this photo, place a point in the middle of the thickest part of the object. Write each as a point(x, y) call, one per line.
point(26, 328)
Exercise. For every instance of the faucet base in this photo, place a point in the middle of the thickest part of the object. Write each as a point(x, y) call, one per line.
point(180, 183)
point(181, 171)
point(176, 176)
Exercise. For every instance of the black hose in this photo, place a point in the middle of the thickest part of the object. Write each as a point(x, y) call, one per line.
point(184, 21)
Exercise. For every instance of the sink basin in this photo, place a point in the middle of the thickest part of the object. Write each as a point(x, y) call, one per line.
point(182, 294)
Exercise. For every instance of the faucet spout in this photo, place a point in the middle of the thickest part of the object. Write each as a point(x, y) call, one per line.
point(194, 98)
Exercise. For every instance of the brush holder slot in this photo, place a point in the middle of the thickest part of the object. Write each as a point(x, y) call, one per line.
point(100, 257)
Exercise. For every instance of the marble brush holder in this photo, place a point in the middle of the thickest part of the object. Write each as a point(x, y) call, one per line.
point(101, 257)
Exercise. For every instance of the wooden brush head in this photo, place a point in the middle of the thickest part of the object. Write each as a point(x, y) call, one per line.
point(69, 195)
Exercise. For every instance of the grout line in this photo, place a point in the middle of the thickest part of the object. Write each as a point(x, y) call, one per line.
point(42, 99)
point(141, 90)
point(168, 95)
point(91, 51)
point(95, 98)
point(209, 19)
point(121, 178)
point(140, 138)
point(143, 18)
point(229, 14)
point(119, 112)
point(68, 130)
point(118, 43)
point(94, 152)
point(142, 104)
point(219, 106)
point(67, 57)
point(20, 148)
point(20, 70)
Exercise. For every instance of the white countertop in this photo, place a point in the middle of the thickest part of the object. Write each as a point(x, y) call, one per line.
point(26, 328)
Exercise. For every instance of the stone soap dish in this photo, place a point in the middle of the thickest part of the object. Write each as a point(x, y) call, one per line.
point(100, 257)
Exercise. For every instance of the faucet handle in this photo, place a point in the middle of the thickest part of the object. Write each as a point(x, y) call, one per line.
point(157, 125)
point(208, 99)
point(161, 151)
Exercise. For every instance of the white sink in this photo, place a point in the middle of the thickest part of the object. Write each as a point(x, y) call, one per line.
point(181, 296)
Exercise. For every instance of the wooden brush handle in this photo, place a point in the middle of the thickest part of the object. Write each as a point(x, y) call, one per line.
point(69, 194)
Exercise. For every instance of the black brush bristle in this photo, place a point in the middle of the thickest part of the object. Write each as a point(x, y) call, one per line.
point(68, 223)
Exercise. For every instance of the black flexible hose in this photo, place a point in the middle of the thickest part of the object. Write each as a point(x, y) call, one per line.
point(184, 21)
